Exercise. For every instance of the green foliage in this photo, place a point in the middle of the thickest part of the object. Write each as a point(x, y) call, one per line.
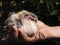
point(14, 4)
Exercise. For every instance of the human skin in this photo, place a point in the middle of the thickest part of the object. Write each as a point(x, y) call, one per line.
point(44, 31)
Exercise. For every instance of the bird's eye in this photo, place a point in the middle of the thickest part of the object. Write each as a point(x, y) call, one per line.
point(33, 16)
point(26, 15)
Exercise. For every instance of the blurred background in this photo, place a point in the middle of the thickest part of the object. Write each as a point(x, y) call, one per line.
point(47, 11)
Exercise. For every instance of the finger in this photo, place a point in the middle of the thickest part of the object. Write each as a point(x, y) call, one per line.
point(37, 36)
point(14, 31)
point(26, 37)
point(14, 27)
point(13, 35)
point(23, 34)
point(41, 35)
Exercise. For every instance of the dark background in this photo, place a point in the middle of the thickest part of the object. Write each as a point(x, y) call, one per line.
point(47, 11)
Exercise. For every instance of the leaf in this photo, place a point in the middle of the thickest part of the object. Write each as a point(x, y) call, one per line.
point(14, 4)
point(33, 2)
point(23, 1)
point(41, 1)
point(57, 2)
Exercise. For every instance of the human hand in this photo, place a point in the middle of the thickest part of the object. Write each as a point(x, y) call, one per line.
point(27, 38)
point(44, 30)
point(19, 32)
point(43, 33)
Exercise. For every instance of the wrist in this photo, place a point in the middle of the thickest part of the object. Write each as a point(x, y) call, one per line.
point(50, 32)
point(46, 32)
point(55, 31)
